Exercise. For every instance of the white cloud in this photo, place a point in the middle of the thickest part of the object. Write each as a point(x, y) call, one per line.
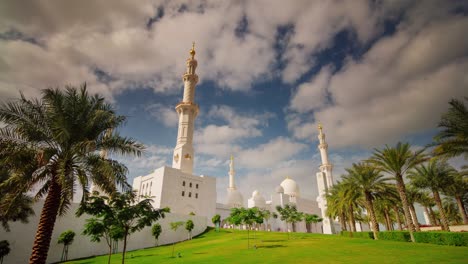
point(166, 114)
point(400, 86)
point(153, 157)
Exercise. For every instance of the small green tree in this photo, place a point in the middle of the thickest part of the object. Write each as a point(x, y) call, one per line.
point(4, 249)
point(124, 214)
point(66, 238)
point(216, 220)
point(156, 232)
point(312, 218)
point(189, 227)
point(290, 215)
point(174, 227)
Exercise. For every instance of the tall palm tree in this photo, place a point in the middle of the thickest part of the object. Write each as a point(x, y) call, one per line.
point(453, 139)
point(413, 195)
point(397, 161)
point(433, 176)
point(371, 184)
point(65, 130)
point(336, 204)
point(457, 189)
point(427, 203)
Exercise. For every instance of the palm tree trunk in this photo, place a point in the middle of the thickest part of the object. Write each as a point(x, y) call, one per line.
point(444, 222)
point(343, 222)
point(433, 216)
point(352, 221)
point(415, 217)
point(402, 192)
point(370, 209)
point(461, 208)
point(387, 220)
point(397, 215)
point(46, 224)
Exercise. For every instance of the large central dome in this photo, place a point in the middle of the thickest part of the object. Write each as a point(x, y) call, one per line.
point(290, 187)
point(235, 198)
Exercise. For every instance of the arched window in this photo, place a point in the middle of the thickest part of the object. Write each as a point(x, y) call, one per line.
point(183, 183)
point(196, 186)
point(196, 195)
point(189, 194)
point(183, 193)
point(190, 185)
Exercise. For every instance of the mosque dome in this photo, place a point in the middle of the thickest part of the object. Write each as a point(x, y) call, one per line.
point(279, 189)
point(258, 199)
point(290, 187)
point(235, 198)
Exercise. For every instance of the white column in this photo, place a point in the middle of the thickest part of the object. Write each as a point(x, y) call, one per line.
point(232, 173)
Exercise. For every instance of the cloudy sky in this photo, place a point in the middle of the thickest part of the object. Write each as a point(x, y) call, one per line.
point(372, 72)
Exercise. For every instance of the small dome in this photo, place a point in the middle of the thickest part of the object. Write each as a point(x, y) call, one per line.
point(258, 199)
point(279, 189)
point(290, 187)
point(235, 198)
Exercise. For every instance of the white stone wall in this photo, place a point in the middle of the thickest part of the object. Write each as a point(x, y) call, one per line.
point(21, 236)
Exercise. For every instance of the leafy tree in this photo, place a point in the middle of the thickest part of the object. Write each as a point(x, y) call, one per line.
point(337, 203)
point(312, 218)
point(64, 131)
point(123, 214)
point(397, 161)
point(66, 238)
point(174, 227)
point(451, 211)
point(290, 215)
point(4, 249)
point(156, 231)
point(433, 176)
point(248, 217)
point(453, 139)
point(189, 227)
point(216, 220)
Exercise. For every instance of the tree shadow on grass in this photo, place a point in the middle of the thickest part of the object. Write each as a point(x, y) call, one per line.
point(274, 240)
point(272, 246)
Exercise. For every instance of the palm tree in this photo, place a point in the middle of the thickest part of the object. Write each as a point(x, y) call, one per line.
point(426, 201)
point(433, 176)
point(336, 204)
point(397, 161)
point(457, 189)
point(371, 184)
point(451, 211)
point(453, 139)
point(413, 195)
point(65, 130)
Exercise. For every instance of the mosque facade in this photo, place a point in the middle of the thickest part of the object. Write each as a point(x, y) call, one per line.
point(184, 193)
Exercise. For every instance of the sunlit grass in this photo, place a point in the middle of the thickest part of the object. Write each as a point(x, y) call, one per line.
point(230, 246)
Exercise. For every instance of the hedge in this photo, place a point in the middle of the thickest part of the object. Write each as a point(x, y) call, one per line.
point(368, 235)
point(402, 236)
point(442, 238)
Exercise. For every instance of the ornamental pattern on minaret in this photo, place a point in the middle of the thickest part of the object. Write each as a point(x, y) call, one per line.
point(326, 167)
point(187, 110)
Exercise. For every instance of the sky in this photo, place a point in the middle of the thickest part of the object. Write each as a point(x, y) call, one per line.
point(372, 72)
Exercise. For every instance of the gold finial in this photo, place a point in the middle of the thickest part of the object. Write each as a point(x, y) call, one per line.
point(287, 177)
point(192, 51)
point(320, 127)
point(232, 157)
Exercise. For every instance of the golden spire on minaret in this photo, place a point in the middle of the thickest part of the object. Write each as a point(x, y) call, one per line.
point(232, 157)
point(192, 51)
point(320, 127)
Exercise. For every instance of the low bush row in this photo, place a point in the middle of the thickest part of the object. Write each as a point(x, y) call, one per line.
point(437, 237)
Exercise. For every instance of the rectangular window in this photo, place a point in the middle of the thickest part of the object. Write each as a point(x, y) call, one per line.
point(190, 185)
point(183, 193)
point(183, 183)
point(196, 195)
point(189, 194)
point(196, 186)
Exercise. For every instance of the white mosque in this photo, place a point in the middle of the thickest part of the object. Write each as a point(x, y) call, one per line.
point(177, 188)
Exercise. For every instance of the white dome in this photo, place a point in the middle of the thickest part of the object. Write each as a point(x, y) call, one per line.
point(258, 200)
point(235, 198)
point(279, 189)
point(290, 187)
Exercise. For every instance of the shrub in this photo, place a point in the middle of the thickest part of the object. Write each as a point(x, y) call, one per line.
point(368, 235)
point(442, 238)
point(402, 236)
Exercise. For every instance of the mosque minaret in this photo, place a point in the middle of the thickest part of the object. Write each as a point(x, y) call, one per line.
point(324, 182)
point(235, 198)
point(187, 110)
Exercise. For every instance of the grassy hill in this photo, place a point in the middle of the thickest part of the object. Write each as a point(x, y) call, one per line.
point(230, 246)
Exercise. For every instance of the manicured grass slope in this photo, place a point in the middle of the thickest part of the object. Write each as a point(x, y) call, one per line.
point(229, 246)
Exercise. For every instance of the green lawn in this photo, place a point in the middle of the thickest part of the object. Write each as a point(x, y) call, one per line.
point(229, 246)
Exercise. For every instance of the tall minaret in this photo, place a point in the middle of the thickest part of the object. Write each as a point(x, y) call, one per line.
point(324, 182)
point(232, 172)
point(326, 167)
point(187, 110)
